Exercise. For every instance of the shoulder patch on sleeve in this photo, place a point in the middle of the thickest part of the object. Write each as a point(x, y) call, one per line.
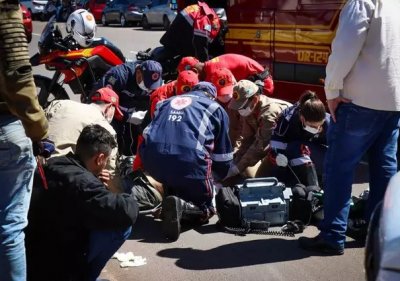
point(111, 80)
point(207, 27)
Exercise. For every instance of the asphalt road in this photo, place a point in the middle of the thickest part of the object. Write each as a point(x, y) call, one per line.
point(206, 254)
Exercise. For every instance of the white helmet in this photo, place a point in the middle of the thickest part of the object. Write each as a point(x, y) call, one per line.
point(82, 26)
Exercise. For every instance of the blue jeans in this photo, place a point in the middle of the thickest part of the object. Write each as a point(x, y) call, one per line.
point(17, 165)
point(102, 246)
point(357, 131)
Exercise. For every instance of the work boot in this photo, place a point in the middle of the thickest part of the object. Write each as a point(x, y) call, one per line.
point(172, 214)
point(320, 245)
point(306, 174)
point(191, 212)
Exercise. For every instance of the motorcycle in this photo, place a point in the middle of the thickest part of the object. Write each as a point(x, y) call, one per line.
point(79, 68)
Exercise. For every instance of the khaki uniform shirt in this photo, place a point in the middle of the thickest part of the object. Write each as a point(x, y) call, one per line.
point(256, 131)
point(67, 119)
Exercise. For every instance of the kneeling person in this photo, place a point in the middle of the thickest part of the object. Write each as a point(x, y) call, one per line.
point(77, 218)
point(185, 144)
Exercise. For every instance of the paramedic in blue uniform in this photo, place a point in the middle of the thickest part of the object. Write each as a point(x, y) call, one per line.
point(133, 82)
point(185, 146)
point(300, 135)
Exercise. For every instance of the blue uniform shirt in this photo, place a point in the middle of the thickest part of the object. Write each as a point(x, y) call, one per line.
point(188, 138)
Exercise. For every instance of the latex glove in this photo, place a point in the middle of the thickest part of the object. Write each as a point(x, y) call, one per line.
point(281, 160)
point(136, 117)
point(233, 171)
point(44, 148)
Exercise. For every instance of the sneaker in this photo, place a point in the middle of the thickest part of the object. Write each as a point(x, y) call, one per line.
point(171, 221)
point(318, 244)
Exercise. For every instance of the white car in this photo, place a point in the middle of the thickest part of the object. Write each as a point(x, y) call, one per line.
point(159, 13)
point(35, 7)
point(382, 252)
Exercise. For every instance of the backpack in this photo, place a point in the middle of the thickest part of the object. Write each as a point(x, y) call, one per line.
point(306, 204)
point(228, 207)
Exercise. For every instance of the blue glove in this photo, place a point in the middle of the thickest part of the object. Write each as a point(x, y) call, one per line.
point(44, 148)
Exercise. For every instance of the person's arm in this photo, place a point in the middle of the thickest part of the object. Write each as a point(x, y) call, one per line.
point(116, 78)
point(257, 149)
point(222, 154)
point(17, 86)
point(350, 37)
point(247, 138)
point(201, 38)
point(103, 209)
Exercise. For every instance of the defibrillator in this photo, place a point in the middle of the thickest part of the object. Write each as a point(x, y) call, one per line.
point(265, 199)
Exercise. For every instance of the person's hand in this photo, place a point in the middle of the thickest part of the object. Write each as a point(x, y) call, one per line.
point(44, 148)
point(104, 176)
point(333, 105)
point(137, 117)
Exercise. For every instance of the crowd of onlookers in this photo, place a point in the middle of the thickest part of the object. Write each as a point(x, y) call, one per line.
point(217, 123)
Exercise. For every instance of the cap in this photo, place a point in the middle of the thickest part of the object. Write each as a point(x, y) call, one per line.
point(224, 80)
point(187, 63)
point(152, 74)
point(207, 87)
point(242, 91)
point(107, 95)
point(185, 81)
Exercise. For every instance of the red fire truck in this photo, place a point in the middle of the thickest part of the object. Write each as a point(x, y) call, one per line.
point(291, 37)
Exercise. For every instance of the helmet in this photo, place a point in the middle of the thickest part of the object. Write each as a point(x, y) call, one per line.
point(82, 26)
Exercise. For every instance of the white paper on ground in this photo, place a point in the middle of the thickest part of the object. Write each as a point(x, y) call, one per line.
point(129, 259)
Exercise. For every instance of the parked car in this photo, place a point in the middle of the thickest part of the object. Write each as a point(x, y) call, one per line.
point(38, 7)
point(159, 13)
point(124, 12)
point(382, 251)
point(96, 7)
point(28, 4)
point(27, 21)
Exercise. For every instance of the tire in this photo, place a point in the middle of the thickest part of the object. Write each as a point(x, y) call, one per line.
point(44, 95)
point(145, 23)
point(166, 22)
point(103, 20)
point(122, 20)
point(372, 253)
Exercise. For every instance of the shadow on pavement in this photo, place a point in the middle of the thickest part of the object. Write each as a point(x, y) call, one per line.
point(148, 230)
point(238, 254)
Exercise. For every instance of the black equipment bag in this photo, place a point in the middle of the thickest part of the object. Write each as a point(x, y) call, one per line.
point(306, 203)
point(228, 207)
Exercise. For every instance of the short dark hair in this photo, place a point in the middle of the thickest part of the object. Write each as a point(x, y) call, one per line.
point(92, 140)
point(311, 107)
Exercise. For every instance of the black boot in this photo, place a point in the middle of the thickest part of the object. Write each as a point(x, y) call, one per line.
point(191, 213)
point(172, 214)
point(306, 174)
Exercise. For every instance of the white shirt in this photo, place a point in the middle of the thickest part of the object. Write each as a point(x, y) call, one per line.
point(365, 62)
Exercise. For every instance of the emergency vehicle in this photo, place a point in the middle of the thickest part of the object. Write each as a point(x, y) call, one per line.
point(292, 37)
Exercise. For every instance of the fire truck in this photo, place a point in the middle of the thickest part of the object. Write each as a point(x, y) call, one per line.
point(291, 37)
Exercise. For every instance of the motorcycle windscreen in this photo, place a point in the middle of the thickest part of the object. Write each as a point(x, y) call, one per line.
point(46, 35)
